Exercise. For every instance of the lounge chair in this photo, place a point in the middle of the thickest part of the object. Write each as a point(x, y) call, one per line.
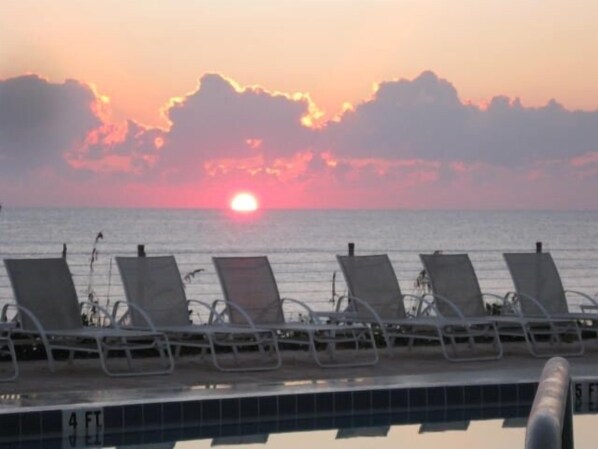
point(156, 300)
point(375, 295)
point(7, 349)
point(248, 283)
point(539, 290)
point(456, 290)
point(48, 311)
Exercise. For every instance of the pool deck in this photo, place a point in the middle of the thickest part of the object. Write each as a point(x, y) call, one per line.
point(83, 382)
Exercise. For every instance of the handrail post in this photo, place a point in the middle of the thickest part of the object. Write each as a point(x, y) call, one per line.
point(550, 423)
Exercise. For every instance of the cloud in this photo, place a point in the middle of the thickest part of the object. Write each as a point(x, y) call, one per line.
point(111, 148)
point(414, 144)
point(221, 120)
point(424, 118)
point(41, 121)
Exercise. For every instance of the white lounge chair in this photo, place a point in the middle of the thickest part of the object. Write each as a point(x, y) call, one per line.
point(48, 311)
point(375, 295)
point(457, 291)
point(249, 284)
point(539, 291)
point(156, 300)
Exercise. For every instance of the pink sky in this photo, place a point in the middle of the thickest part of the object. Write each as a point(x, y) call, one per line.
point(340, 104)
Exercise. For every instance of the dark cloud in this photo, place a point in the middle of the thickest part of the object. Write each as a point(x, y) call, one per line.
point(220, 120)
point(41, 121)
point(424, 118)
point(127, 149)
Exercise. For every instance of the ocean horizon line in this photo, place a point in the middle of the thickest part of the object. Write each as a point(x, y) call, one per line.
point(288, 209)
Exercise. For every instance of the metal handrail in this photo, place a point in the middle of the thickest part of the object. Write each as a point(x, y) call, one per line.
point(550, 423)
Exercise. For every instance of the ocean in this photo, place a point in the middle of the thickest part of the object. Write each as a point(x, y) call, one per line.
point(301, 244)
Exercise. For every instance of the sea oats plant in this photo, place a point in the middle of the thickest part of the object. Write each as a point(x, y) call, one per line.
point(92, 317)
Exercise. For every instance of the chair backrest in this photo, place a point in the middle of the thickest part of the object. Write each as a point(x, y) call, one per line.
point(249, 282)
point(372, 279)
point(155, 285)
point(46, 288)
point(452, 276)
point(536, 275)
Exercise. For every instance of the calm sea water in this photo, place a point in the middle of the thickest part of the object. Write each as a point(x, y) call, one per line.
point(301, 244)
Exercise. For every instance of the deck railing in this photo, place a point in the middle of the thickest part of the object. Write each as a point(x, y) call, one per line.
point(311, 276)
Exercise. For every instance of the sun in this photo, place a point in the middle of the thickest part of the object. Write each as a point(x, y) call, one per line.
point(244, 202)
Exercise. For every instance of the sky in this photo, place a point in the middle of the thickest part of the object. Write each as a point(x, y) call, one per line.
point(404, 104)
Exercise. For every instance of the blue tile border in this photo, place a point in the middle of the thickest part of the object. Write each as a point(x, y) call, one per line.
point(283, 412)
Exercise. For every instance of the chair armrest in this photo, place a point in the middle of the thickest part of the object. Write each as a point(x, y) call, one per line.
point(421, 311)
point(215, 315)
point(593, 304)
point(139, 310)
point(338, 312)
point(452, 305)
point(351, 315)
point(537, 303)
point(506, 305)
point(204, 305)
point(237, 308)
point(340, 301)
point(22, 310)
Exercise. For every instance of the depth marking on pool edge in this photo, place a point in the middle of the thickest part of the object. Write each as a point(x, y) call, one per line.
point(585, 396)
point(82, 427)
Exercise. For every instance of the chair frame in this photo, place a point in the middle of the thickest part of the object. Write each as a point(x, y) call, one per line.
point(8, 347)
point(311, 333)
point(511, 322)
point(103, 339)
point(441, 327)
point(560, 323)
point(215, 333)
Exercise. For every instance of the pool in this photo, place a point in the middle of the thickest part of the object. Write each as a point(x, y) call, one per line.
point(78, 406)
point(346, 411)
point(243, 423)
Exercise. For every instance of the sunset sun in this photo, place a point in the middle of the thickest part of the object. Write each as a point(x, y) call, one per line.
point(244, 202)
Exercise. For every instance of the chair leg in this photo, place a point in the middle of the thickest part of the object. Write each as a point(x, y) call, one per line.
point(390, 342)
point(238, 366)
point(471, 340)
point(49, 354)
point(103, 350)
point(127, 352)
point(533, 347)
point(13, 358)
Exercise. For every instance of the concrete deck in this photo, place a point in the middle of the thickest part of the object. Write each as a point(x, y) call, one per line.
point(83, 382)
